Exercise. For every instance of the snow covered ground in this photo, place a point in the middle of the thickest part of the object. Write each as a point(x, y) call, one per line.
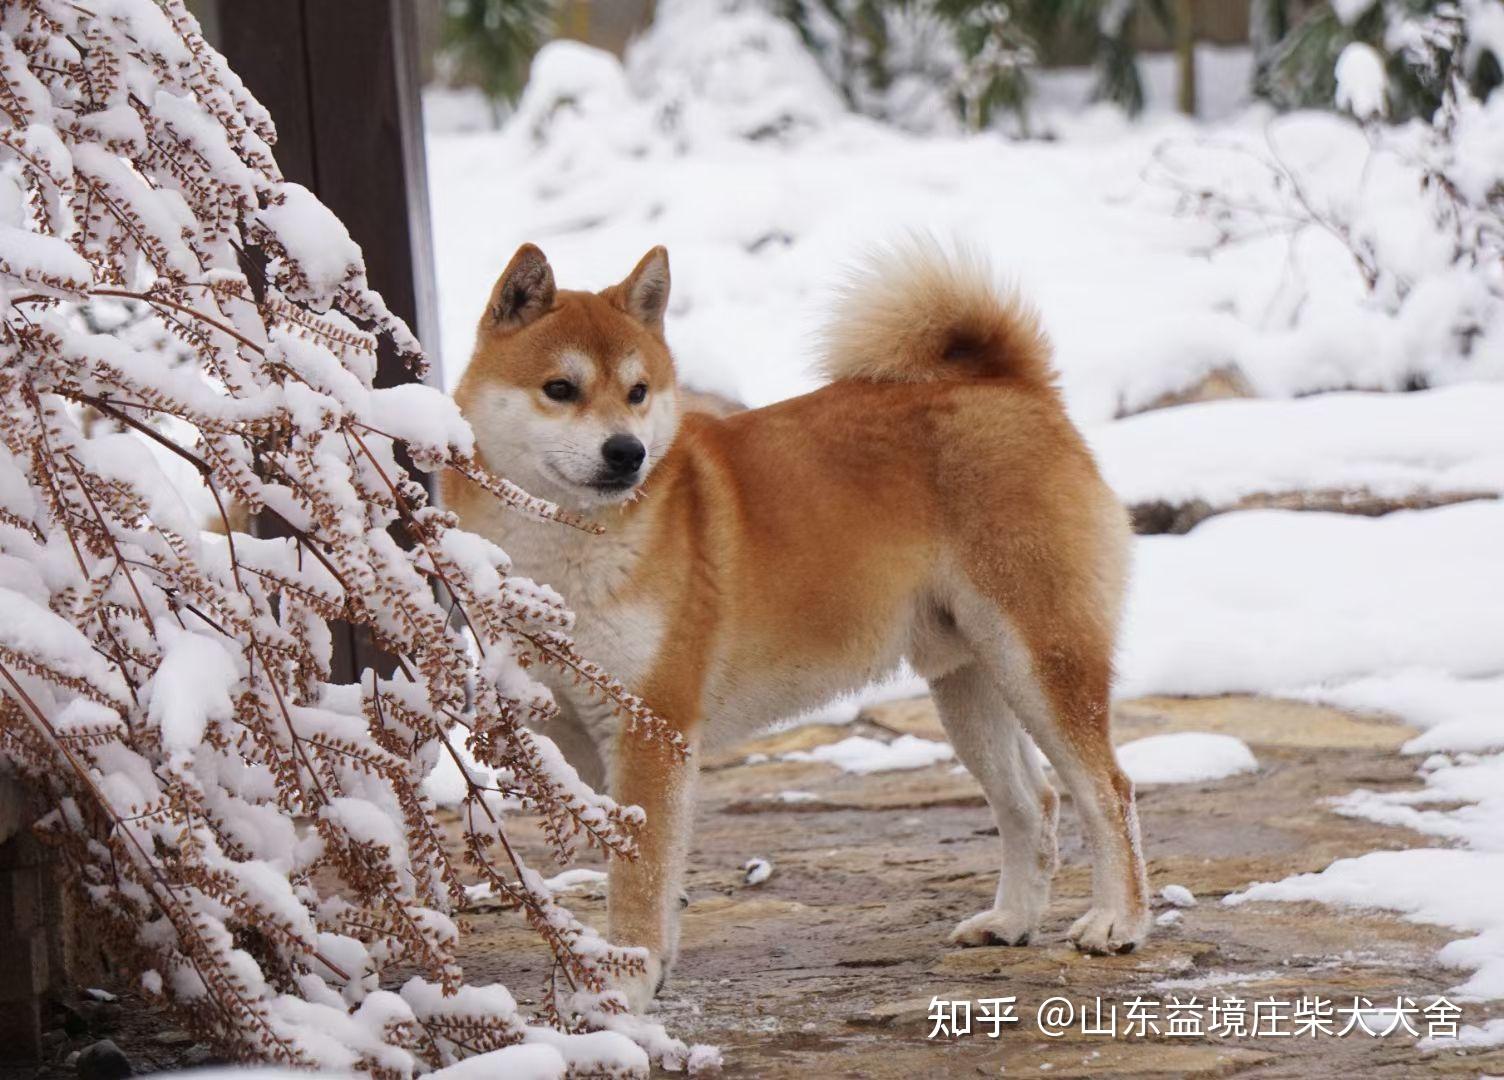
point(743, 162)
point(1443, 441)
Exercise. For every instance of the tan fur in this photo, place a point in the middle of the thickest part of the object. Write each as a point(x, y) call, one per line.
point(913, 315)
point(933, 503)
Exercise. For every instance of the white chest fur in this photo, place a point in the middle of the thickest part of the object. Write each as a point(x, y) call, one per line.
point(592, 573)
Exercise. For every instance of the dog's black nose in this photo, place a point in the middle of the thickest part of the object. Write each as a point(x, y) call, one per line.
point(623, 454)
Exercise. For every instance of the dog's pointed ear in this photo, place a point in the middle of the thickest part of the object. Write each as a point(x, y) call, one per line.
point(524, 291)
point(643, 294)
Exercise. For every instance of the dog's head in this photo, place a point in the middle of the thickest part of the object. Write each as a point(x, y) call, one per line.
point(572, 394)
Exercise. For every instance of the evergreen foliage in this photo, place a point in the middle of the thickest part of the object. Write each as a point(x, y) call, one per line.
point(976, 54)
point(491, 42)
point(1298, 69)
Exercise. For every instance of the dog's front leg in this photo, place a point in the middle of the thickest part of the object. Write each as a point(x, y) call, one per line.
point(644, 894)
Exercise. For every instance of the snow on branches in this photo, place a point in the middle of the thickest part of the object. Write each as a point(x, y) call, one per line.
point(1417, 207)
point(250, 837)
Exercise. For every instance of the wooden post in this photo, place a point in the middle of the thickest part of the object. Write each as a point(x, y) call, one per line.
point(1185, 54)
point(340, 80)
point(27, 885)
point(341, 83)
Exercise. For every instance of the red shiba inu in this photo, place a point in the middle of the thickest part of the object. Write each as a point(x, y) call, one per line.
point(932, 503)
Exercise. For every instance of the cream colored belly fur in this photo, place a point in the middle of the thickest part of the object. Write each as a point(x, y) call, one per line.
point(624, 638)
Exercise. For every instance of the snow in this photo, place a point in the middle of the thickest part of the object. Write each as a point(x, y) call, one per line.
point(575, 878)
point(365, 822)
point(1460, 801)
point(528, 1061)
point(458, 110)
point(860, 754)
point(315, 239)
point(1350, 11)
point(29, 630)
point(445, 783)
point(756, 871)
point(1178, 895)
point(1454, 888)
point(1263, 600)
point(743, 71)
point(1390, 445)
point(191, 687)
point(759, 230)
point(594, 1053)
point(1185, 757)
point(751, 278)
point(420, 417)
point(1361, 81)
point(797, 797)
point(43, 262)
point(1459, 714)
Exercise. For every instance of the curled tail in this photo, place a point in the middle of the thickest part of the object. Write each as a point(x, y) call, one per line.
point(915, 314)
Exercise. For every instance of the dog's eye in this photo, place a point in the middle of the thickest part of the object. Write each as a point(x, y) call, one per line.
point(638, 394)
point(560, 390)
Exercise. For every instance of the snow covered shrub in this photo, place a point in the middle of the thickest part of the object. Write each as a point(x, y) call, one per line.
point(489, 43)
point(249, 837)
point(712, 68)
point(1416, 209)
point(1376, 56)
point(921, 63)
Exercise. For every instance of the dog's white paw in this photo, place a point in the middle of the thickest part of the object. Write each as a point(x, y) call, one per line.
point(996, 926)
point(1105, 930)
point(640, 989)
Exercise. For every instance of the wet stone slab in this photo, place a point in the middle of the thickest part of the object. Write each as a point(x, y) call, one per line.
point(828, 968)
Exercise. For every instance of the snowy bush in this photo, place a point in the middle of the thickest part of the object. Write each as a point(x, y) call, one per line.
point(1417, 208)
point(922, 66)
point(249, 837)
point(1358, 52)
point(926, 65)
point(714, 67)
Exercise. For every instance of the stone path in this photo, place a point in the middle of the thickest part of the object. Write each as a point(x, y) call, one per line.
point(828, 968)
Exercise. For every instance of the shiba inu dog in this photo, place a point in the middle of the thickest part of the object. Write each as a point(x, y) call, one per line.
point(932, 503)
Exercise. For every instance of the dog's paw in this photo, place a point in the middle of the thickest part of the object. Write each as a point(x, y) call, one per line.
point(639, 989)
point(1103, 931)
point(995, 927)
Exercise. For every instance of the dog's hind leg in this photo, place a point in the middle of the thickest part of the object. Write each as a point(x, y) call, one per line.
point(1063, 701)
point(986, 735)
point(1055, 673)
